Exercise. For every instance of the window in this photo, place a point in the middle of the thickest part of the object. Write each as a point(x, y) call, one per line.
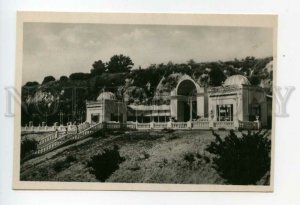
point(95, 118)
point(225, 112)
point(254, 112)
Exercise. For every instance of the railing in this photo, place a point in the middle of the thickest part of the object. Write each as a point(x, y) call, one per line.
point(47, 138)
point(52, 143)
point(38, 129)
point(55, 139)
point(247, 125)
point(179, 125)
point(60, 128)
point(130, 125)
point(224, 124)
point(160, 126)
point(113, 125)
point(143, 126)
point(200, 125)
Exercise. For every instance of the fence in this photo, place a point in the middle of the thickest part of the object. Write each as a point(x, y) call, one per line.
point(200, 125)
point(51, 142)
point(56, 139)
point(224, 125)
point(160, 126)
point(179, 125)
point(59, 128)
point(247, 125)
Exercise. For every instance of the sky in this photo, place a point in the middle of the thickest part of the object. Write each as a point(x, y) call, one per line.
point(61, 49)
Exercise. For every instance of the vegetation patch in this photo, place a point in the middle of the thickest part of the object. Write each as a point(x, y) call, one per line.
point(28, 147)
point(104, 164)
point(63, 164)
point(241, 160)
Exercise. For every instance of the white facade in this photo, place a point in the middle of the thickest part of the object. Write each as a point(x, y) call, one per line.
point(228, 105)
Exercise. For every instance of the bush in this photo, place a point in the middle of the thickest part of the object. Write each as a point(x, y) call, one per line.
point(189, 157)
point(241, 160)
point(59, 166)
point(70, 159)
point(166, 130)
point(104, 164)
point(28, 146)
point(63, 164)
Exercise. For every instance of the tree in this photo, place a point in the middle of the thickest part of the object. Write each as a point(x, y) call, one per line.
point(63, 78)
point(216, 76)
point(98, 68)
point(28, 146)
point(48, 79)
point(79, 76)
point(119, 63)
point(31, 84)
point(255, 80)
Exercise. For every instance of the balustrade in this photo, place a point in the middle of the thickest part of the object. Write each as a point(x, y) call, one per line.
point(224, 124)
point(179, 125)
point(200, 125)
point(52, 141)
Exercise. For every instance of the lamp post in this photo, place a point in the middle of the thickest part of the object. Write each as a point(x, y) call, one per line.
point(60, 117)
point(46, 118)
point(135, 114)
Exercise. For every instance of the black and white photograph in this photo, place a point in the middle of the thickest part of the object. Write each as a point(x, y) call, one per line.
point(130, 103)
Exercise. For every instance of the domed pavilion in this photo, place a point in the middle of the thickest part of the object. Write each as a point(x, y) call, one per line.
point(237, 100)
point(106, 108)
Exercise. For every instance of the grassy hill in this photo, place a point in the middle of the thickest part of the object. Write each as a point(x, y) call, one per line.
point(147, 157)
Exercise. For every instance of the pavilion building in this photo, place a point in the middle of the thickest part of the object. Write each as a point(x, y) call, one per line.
point(224, 106)
point(105, 108)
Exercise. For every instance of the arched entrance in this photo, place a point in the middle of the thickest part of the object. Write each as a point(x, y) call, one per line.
point(186, 100)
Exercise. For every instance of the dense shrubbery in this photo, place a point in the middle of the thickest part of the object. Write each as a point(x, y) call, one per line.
point(28, 146)
point(241, 160)
point(63, 164)
point(104, 164)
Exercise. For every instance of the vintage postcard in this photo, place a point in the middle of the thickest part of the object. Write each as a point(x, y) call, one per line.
point(149, 102)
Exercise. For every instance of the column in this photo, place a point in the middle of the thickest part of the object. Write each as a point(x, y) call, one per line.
point(191, 109)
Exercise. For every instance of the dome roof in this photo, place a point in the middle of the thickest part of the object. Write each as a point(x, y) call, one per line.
point(237, 80)
point(106, 96)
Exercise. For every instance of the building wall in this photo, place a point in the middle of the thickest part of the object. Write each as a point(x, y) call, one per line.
point(174, 107)
point(255, 97)
point(110, 107)
point(202, 103)
point(233, 99)
point(95, 108)
point(113, 108)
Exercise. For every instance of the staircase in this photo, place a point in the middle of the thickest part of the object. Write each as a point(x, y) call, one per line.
point(51, 142)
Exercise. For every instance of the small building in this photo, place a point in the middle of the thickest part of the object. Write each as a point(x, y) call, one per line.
point(237, 100)
point(106, 108)
point(148, 113)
